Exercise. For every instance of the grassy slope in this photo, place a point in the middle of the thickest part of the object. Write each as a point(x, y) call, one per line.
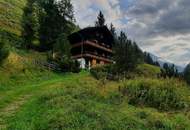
point(20, 77)
point(19, 69)
point(11, 12)
point(146, 70)
point(32, 98)
point(74, 101)
point(78, 101)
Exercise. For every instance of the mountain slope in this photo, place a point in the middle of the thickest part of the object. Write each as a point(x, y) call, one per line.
point(78, 101)
point(162, 61)
point(11, 12)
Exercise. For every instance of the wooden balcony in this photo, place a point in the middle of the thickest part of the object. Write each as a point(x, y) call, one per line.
point(102, 47)
point(88, 55)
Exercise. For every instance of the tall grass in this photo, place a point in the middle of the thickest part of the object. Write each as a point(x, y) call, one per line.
point(161, 94)
point(80, 104)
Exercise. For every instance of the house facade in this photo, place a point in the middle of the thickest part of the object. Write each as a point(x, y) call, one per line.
point(92, 46)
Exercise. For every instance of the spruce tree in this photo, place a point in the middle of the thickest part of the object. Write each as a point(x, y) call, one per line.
point(127, 54)
point(187, 73)
point(59, 19)
point(112, 30)
point(100, 20)
point(148, 59)
point(31, 24)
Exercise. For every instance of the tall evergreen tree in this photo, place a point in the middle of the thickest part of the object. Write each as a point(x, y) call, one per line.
point(187, 73)
point(127, 54)
point(113, 32)
point(112, 29)
point(169, 71)
point(31, 24)
point(59, 17)
point(122, 39)
point(148, 59)
point(138, 53)
point(44, 21)
point(100, 20)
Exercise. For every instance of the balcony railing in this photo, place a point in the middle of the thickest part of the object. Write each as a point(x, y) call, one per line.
point(99, 55)
point(95, 44)
point(95, 56)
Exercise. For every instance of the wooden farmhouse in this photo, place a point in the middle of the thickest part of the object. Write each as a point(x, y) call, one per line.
point(92, 46)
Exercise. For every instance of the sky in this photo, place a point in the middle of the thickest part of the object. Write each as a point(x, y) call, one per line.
point(161, 27)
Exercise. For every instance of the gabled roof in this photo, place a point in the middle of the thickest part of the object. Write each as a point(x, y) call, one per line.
point(101, 34)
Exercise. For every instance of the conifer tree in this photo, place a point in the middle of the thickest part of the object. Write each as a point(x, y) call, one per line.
point(100, 20)
point(31, 24)
point(58, 20)
point(169, 71)
point(127, 54)
point(148, 59)
point(187, 73)
point(44, 21)
point(112, 29)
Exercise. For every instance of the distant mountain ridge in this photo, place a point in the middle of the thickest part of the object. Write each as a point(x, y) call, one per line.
point(162, 61)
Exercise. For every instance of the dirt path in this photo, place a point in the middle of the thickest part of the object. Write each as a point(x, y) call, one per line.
point(11, 109)
point(21, 96)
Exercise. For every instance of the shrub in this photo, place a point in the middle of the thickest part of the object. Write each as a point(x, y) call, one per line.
point(11, 38)
point(104, 72)
point(99, 72)
point(65, 63)
point(3, 52)
point(161, 95)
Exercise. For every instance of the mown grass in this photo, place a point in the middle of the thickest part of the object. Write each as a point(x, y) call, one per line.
point(81, 102)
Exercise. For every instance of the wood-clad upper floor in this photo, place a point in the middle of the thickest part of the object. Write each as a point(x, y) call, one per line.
point(101, 46)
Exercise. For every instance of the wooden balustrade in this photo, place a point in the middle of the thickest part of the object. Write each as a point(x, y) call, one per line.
point(103, 47)
point(93, 56)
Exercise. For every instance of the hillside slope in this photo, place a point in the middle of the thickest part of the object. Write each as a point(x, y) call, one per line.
point(20, 69)
point(78, 101)
point(11, 12)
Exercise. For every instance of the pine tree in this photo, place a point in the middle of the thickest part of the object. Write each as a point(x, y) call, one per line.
point(157, 63)
point(187, 73)
point(127, 54)
point(112, 29)
point(148, 59)
point(59, 19)
point(100, 20)
point(169, 71)
point(31, 24)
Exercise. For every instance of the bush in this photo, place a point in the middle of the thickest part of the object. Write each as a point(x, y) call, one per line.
point(101, 72)
point(161, 95)
point(3, 52)
point(11, 39)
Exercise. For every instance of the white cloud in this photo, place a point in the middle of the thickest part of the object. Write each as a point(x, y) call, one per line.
point(86, 11)
point(159, 26)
